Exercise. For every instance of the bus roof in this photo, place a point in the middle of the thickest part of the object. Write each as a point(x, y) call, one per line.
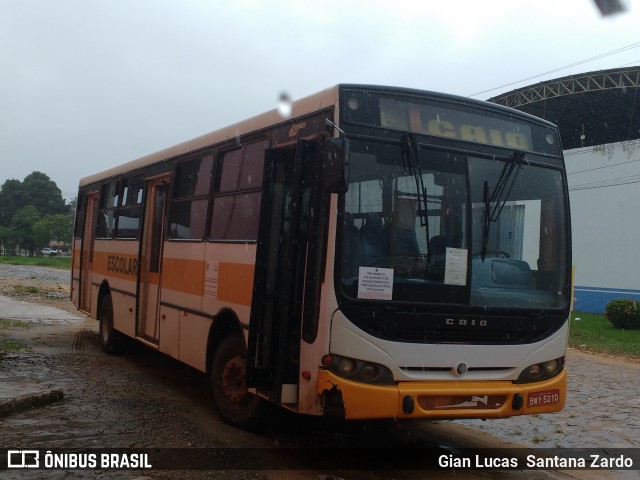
point(318, 101)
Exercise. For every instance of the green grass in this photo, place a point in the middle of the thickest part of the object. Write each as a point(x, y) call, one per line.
point(10, 344)
point(63, 262)
point(6, 323)
point(595, 333)
point(22, 290)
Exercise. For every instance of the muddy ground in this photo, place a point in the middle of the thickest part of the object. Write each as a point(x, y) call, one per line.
point(42, 285)
point(109, 401)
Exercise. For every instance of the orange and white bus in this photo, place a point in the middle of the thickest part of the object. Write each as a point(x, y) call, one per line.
point(379, 253)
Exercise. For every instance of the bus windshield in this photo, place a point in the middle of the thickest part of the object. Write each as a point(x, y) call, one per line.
point(442, 227)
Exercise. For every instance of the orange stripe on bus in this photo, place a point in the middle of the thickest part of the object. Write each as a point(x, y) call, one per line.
point(116, 265)
point(235, 283)
point(181, 275)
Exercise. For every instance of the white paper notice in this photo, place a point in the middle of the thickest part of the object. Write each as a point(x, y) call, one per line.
point(375, 283)
point(211, 280)
point(455, 272)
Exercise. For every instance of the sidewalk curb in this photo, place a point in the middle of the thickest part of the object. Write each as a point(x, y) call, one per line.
point(25, 403)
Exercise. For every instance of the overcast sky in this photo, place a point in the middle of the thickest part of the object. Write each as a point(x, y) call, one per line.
point(86, 85)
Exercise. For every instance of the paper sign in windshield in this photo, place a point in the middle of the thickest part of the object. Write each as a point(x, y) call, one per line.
point(455, 272)
point(375, 283)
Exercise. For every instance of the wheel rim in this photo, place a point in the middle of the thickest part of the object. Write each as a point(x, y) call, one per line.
point(233, 380)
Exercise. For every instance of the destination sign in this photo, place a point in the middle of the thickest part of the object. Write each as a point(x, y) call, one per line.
point(441, 121)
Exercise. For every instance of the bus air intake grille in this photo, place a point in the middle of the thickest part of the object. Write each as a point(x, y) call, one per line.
point(468, 402)
point(456, 336)
point(445, 328)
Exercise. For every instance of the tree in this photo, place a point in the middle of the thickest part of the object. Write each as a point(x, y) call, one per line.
point(36, 189)
point(22, 223)
point(44, 194)
point(12, 198)
point(8, 240)
point(33, 212)
point(53, 227)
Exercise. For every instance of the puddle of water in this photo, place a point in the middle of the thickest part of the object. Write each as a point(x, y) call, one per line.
point(31, 312)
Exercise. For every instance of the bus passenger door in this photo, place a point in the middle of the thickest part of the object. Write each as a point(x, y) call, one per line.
point(149, 278)
point(279, 282)
point(86, 256)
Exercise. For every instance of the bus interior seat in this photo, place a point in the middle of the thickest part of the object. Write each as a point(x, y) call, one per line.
point(438, 245)
point(404, 226)
point(373, 238)
point(407, 243)
point(437, 256)
point(502, 273)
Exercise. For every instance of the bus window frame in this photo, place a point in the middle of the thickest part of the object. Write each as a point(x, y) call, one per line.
point(216, 193)
point(190, 197)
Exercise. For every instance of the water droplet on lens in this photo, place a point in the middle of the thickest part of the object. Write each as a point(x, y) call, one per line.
point(284, 105)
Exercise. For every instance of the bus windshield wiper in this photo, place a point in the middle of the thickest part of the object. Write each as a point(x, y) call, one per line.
point(500, 195)
point(412, 164)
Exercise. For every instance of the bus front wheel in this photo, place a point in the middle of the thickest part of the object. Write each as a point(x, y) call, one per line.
point(237, 406)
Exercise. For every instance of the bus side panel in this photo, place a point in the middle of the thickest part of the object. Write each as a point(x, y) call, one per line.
point(169, 331)
point(183, 274)
point(193, 336)
point(191, 284)
point(75, 272)
point(229, 274)
point(184, 336)
point(124, 309)
point(116, 263)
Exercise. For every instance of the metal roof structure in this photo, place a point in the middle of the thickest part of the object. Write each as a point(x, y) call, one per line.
point(590, 109)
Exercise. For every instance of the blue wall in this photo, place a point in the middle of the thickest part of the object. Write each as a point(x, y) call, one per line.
point(594, 299)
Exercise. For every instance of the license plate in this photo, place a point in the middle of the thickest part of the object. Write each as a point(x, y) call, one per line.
point(548, 397)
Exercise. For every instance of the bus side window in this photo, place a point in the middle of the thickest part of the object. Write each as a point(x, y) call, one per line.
point(236, 203)
point(129, 213)
point(106, 214)
point(190, 199)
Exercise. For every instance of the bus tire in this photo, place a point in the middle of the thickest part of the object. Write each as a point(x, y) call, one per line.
point(110, 340)
point(236, 405)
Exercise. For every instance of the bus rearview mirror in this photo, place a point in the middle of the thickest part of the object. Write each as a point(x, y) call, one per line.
point(335, 165)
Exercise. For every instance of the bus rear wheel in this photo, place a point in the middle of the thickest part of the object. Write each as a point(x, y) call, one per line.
point(236, 405)
point(110, 340)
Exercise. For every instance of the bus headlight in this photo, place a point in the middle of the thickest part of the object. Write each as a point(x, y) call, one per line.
point(346, 366)
point(358, 370)
point(369, 371)
point(541, 371)
point(534, 371)
point(551, 366)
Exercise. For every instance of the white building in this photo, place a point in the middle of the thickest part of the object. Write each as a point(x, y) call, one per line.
point(599, 118)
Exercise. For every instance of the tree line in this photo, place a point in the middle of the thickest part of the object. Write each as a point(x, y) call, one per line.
point(33, 214)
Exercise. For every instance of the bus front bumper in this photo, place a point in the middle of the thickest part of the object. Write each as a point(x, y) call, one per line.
point(440, 400)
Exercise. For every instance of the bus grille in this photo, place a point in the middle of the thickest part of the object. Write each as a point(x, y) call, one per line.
point(425, 327)
point(458, 336)
point(472, 402)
